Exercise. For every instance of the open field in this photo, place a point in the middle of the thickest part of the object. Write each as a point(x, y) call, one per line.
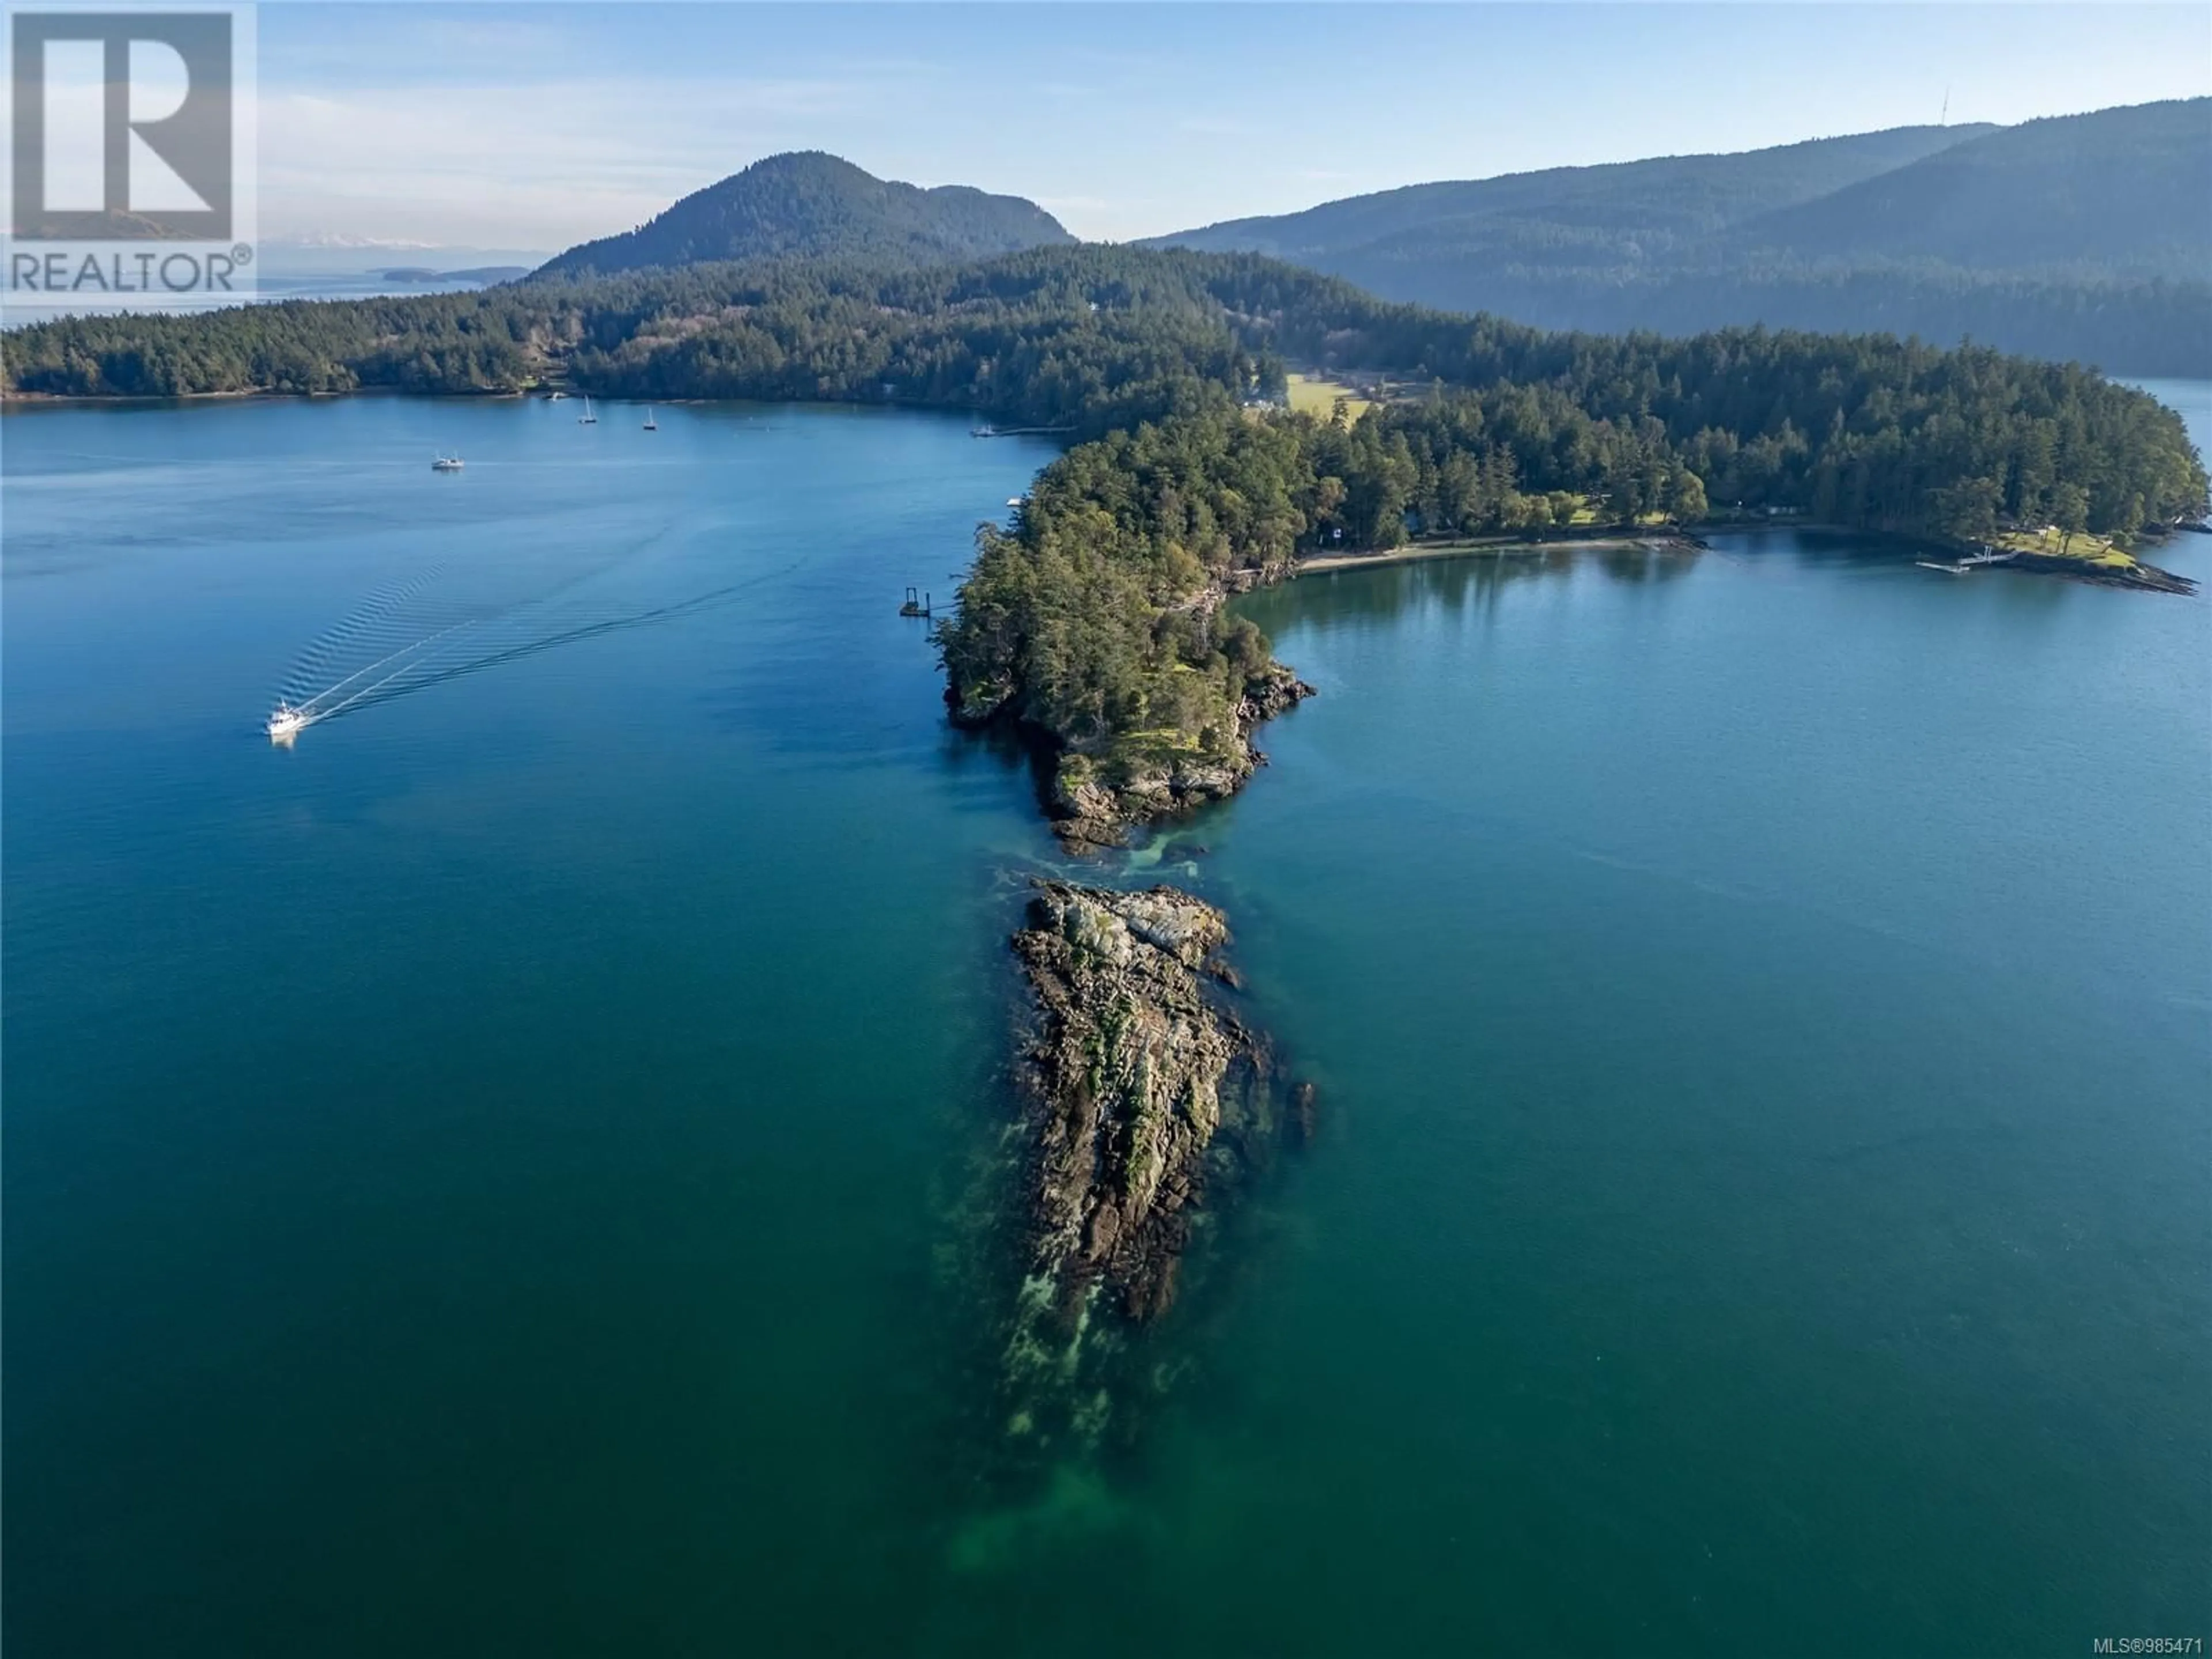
point(1311, 395)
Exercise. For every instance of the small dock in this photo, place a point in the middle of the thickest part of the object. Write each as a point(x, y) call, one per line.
point(1988, 556)
point(915, 604)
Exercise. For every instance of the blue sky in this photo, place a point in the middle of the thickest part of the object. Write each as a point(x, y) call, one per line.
point(535, 126)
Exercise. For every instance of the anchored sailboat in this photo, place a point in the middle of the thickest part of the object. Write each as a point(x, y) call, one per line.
point(587, 418)
point(651, 425)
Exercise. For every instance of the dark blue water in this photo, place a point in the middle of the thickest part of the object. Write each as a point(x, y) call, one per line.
point(477, 1181)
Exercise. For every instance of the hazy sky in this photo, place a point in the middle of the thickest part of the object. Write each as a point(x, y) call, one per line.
point(535, 125)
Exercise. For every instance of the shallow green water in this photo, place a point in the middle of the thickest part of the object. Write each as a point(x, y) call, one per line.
point(476, 1183)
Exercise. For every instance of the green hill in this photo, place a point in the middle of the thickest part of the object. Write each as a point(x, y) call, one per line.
point(2085, 237)
point(1626, 211)
point(815, 205)
point(2122, 192)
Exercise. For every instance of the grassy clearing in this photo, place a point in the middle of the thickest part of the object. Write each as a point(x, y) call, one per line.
point(2093, 550)
point(1311, 395)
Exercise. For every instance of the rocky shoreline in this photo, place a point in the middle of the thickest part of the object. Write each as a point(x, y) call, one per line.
point(2144, 578)
point(1140, 1092)
point(1088, 812)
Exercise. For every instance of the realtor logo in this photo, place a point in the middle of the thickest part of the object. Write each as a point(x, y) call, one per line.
point(130, 127)
point(122, 124)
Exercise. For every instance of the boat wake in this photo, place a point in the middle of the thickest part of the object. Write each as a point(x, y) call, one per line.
point(434, 627)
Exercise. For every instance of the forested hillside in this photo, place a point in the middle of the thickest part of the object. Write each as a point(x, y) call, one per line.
point(2086, 237)
point(1083, 338)
point(2121, 194)
point(1625, 209)
point(821, 206)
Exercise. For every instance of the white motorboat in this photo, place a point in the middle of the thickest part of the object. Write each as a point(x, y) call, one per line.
point(287, 723)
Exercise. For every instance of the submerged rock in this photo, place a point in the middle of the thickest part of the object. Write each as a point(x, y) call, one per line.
point(1126, 1081)
point(1137, 1089)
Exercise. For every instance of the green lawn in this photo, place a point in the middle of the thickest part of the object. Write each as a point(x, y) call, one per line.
point(2094, 550)
point(1311, 395)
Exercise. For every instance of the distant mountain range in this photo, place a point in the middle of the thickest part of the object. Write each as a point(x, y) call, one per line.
point(2086, 236)
point(811, 203)
point(1630, 212)
point(2121, 193)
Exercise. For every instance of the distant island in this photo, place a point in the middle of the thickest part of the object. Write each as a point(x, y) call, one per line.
point(484, 274)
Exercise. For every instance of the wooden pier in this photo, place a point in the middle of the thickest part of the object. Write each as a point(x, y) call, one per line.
point(1988, 556)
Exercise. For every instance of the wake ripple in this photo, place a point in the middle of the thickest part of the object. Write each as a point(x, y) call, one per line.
point(448, 621)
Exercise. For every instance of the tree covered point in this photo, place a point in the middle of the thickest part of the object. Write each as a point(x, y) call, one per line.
point(1095, 617)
